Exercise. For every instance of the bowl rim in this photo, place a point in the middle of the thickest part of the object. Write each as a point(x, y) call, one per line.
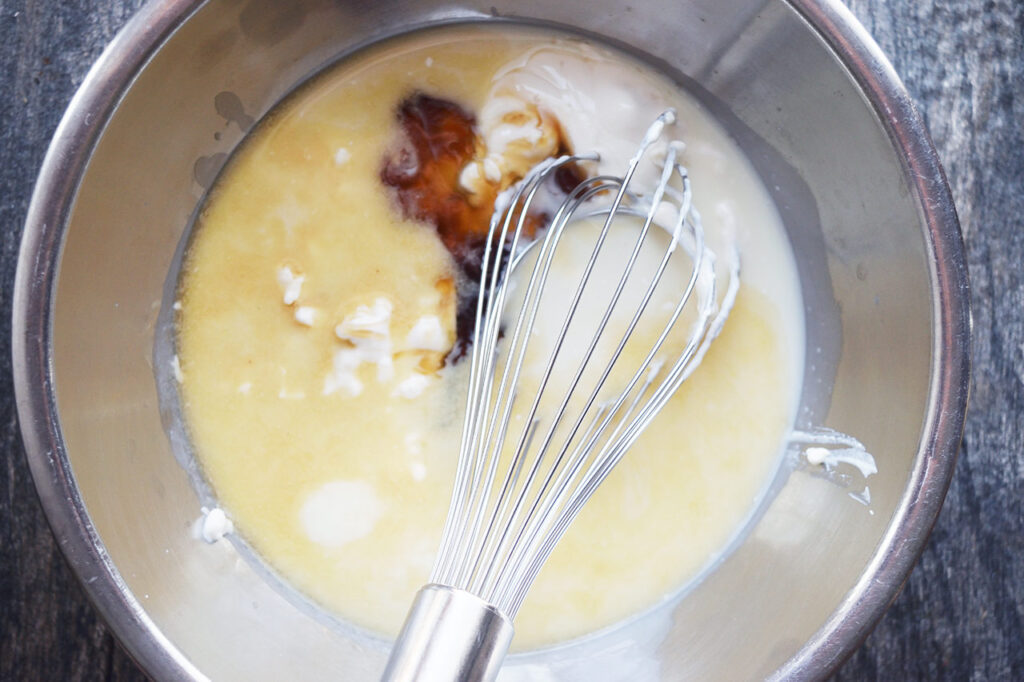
point(41, 248)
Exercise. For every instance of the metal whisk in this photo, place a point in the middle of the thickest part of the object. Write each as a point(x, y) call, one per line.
point(532, 455)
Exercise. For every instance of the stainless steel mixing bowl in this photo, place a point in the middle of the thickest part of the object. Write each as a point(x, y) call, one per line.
point(826, 123)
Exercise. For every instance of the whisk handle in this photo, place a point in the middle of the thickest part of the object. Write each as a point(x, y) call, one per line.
point(449, 635)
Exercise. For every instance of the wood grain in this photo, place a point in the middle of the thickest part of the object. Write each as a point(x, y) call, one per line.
point(960, 615)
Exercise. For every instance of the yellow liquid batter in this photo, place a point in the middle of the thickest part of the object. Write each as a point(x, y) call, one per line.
point(345, 495)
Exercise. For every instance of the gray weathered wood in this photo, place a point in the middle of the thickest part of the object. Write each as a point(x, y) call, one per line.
point(960, 616)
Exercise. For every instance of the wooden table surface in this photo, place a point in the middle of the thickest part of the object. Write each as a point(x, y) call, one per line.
point(960, 615)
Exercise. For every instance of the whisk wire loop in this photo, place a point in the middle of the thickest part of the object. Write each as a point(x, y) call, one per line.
point(527, 316)
point(543, 503)
point(581, 193)
point(497, 537)
point(461, 495)
point(555, 233)
point(710, 322)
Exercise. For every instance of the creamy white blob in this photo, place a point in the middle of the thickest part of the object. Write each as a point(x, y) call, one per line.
point(340, 512)
point(213, 525)
point(367, 335)
point(291, 284)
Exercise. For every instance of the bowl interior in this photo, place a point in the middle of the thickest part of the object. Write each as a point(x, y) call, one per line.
point(856, 224)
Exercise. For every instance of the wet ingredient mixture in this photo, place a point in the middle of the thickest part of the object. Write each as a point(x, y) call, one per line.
point(323, 321)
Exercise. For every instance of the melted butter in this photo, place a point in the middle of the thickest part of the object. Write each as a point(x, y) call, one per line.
point(281, 454)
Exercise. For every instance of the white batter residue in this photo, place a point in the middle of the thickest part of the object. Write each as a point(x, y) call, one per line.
point(829, 448)
point(412, 386)
point(179, 376)
point(608, 117)
point(428, 334)
point(291, 284)
point(305, 315)
point(367, 334)
point(213, 525)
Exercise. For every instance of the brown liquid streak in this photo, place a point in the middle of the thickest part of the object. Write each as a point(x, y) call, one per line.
point(438, 139)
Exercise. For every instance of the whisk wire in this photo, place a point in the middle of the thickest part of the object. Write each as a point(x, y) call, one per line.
point(711, 320)
point(455, 522)
point(495, 300)
point(536, 532)
point(520, 583)
point(553, 236)
point(476, 413)
point(496, 538)
point(543, 502)
point(496, 307)
point(538, 280)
